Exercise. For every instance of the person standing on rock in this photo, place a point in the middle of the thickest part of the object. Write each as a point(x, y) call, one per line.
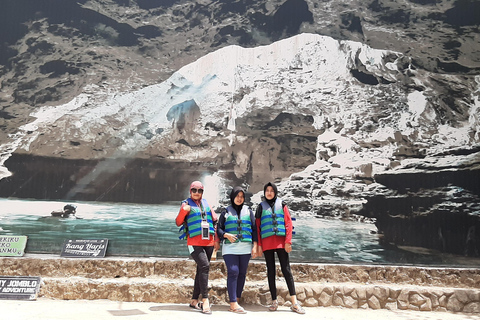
point(238, 233)
point(199, 222)
point(274, 227)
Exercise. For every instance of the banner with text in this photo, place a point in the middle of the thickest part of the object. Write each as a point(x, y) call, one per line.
point(19, 288)
point(12, 246)
point(94, 248)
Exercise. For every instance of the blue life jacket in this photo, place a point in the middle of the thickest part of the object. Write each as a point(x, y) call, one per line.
point(238, 225)
point(193, 225)
point(272, 222)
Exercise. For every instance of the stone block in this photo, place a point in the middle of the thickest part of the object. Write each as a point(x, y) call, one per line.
point(325, 300)
point(350, 302)
point(391, 306)
point(404, 295)
point(354, 294)
point(311, 302)
point(417, 299)
point(317, 289)
point(474, 295)
point(361, 293)
point(443, 301)
point(263, 298)
point(454, 304)
point(374, 303)
point(435, 301)
point(427, 306)
point(283, 291)
point(382, 293)
point(337, 299)
point(362, 276)
point(301, 296)
point(347, 290)
point(329, 290)
point(462, 295)
point(309, 292)
point(403, 305)
point(472, 307)
point(394, 293)
point(250, 296)
point(414, 308)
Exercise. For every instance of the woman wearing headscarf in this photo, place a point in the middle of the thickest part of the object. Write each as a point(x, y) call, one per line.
point(274, 227)
point(199, 223)
point(238, 233)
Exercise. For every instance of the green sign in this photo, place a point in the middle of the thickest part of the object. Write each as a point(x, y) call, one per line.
point(12, 246)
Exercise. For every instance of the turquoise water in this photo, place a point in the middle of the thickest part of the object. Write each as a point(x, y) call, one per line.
point(150, 230)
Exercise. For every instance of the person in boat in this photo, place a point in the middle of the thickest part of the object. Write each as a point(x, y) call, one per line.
point(68, 210)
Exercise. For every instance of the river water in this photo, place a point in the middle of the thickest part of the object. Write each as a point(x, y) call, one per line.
point(149, 230)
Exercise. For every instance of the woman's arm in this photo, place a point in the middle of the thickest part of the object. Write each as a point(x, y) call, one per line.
point(288, 224)
point(184, 211)
point(254, 227)
point(221, 226)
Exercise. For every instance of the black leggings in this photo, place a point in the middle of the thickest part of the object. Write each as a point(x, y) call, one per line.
point(271, 271)
point(202, 256)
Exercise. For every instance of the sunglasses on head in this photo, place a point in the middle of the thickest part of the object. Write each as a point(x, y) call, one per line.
point(195, 190)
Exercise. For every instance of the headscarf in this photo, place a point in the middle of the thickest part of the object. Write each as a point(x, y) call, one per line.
point(272, 201)
point(233, 195)
point(197, 185)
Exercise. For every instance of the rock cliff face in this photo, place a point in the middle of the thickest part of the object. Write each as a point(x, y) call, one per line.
point(357, 109)
point(51, 52)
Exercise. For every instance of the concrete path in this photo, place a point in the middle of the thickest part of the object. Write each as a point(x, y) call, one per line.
point(48, 309)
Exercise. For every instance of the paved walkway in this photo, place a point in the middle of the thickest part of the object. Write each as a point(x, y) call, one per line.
point(48, 309)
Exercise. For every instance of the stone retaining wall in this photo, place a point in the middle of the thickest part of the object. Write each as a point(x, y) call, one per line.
point(170, 280)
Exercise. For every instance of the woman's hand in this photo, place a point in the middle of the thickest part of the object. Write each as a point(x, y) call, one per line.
point(187, 207)
point(232, 238)
point(288, 247)
point(254, 251)
point(259, 251)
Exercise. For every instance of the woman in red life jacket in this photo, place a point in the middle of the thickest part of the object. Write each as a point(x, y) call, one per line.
point(199, 221)
point(274, 227)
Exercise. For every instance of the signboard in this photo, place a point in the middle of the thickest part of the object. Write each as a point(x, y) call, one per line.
point(95, 248)
point(12, 246)
point(19, 288)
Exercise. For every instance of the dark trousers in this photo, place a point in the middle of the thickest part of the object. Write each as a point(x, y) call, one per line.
point(202, 256)
point(271, 271)
point(237, 265)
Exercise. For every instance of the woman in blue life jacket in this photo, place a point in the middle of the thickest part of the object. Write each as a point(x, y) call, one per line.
point(237, 231)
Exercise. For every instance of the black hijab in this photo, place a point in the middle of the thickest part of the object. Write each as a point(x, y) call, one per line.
point(272, 201)
point(233, 195)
